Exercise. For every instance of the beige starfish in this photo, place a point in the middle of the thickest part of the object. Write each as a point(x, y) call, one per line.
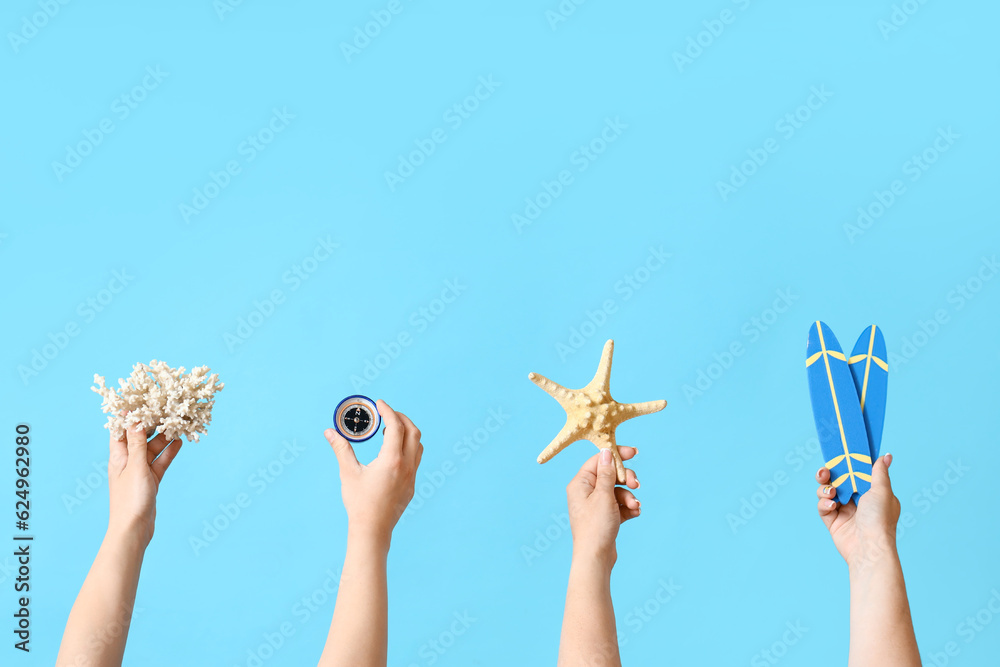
point(591, 413)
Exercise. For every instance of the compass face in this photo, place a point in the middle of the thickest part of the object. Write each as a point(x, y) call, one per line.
point(357, 418)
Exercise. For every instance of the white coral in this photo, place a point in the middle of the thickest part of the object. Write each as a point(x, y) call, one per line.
point(162, 398)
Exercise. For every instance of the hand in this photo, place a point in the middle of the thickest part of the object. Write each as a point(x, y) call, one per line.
point(597, 507)
point(866, 531)
point(376, 494)
point(135, 469)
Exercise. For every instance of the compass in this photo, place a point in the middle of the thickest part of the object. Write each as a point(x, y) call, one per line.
point(356, 418)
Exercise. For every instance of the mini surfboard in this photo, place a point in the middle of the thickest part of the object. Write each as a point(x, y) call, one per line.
point(837, 411)
point(871, 378)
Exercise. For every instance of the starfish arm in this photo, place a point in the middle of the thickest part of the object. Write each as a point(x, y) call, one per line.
point(567, 436)
point(619, 465)
point(553, 389)
point(602, 379)
point(630, 410)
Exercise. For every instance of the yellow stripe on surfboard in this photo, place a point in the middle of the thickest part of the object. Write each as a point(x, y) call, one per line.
point(836, 405)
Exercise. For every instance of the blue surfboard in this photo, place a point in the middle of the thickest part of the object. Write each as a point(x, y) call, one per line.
point(871, 378)
point(837, 411)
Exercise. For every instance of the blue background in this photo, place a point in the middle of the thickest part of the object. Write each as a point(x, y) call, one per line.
point(477, 544)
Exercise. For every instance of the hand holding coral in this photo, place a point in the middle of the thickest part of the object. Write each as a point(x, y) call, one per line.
point(135, 469)
point(597, 507)
point(864, 532)
point(376, 494)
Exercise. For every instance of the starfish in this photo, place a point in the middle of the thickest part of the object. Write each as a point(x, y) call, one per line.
point(591, 413)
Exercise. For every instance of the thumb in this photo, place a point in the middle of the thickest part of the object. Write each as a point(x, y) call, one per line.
point(346, 459)
point(880, 474)
point(135, 435)
point(606, 473)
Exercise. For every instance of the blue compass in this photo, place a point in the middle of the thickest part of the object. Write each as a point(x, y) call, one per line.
point(356, 418)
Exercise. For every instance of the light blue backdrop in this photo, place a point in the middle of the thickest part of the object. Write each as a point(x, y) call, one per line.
point(739, 139)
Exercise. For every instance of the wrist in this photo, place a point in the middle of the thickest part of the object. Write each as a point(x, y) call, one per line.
point(877, 555)
point(367, 540)
point(600, 561)
point(132, 540)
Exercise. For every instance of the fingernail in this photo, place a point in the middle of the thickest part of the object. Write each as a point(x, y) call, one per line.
point(831, 504)
point(637, 484)
point(818, 472)
point(888, 459)
point(827, 490)
point(606, 456)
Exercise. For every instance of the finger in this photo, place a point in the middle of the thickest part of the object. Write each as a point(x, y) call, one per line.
point(607, 474)
point(627, 452)
point(880, 473)
point(412, 441)
point(625, 513)
point(117, 455)
point(347, 460)
point(826, 492)
point(155, 446)
point(136, 438)
point(631, 481)
point(823, 475)
point(828, 511)
point(625, 498)
point(162, 462)
point(395, 431)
